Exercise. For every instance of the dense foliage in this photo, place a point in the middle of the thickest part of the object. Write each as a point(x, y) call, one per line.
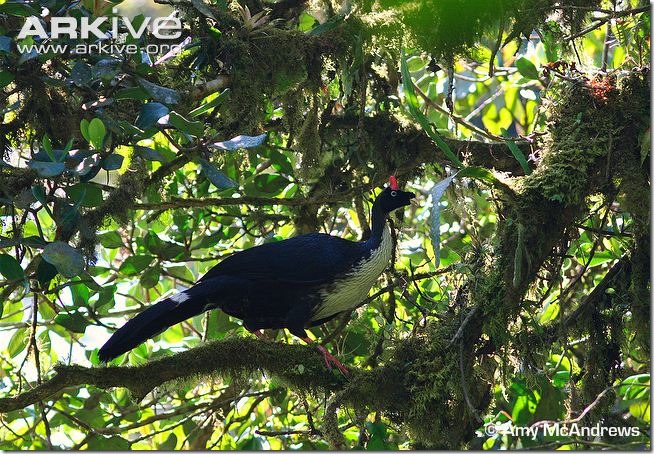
point(518, 299)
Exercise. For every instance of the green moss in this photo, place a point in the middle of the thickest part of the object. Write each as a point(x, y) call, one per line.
point(432, 405)
point(117, 205)
point(15, 180)
point(308, 143)
point(260, 71)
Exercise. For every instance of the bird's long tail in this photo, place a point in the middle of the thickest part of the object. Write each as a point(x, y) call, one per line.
point(155, 319)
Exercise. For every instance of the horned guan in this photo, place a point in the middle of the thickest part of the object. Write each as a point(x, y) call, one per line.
point(295, 283)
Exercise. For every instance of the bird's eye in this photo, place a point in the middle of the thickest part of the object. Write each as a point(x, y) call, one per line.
point(393, 193)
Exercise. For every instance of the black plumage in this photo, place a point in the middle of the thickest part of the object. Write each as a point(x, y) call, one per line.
point(295, 283)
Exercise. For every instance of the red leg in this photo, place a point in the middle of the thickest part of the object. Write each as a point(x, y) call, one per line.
point(329, 358)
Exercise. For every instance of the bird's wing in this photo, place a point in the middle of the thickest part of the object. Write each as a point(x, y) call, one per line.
point(304, 260)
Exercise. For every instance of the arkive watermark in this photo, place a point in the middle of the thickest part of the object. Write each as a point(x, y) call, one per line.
point(111, 40)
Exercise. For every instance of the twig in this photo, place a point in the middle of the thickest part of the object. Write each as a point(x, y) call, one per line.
point(459, 332)
point(599, 289)
point(456, 118)
point(282, 433)
point(610, 12)
point(603, 20)
point(405, 279)
point(496, 48)
point(600, 231)
point(592, 405)
point(484, 104)
point(464, 387)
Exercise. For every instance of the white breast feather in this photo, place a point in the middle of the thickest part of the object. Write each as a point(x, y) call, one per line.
point(350, 290)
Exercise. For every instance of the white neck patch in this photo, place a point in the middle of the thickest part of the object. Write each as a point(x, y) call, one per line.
point(347, 292)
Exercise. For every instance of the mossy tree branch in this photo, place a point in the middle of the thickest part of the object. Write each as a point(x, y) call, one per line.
point(227, 357)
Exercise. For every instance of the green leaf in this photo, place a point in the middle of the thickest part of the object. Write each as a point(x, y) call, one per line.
point(415, 63)
point(111, 239)
point(632, 387)
point(523, 409)
point(38, 191)
point(218, 178)
point(640, 410)
point(194, 128)
point(137, 93)
point(18, 342)
point(561, 378)
point(161, 94)
point(268, 183)
point(18, 9)
point(67, 216)
point(85, 194)
point(134, 264)
point(214, 101)
point(219, 324)
point(550, 312)
point(150, 114)
point(163, 249)
point(10, 268)
point(68, 260)
point(96, 131)
point(480, 173)
point(45, 272)
point(6, 78)
point(281, 162)
point(412, 103)
point(112, 162)
point(306, 22)
point(251, 444)
point(551, 40)
point(215, 33)
point(73, 321)
point(240, 142)
point(106, 69)
point(79, 293)
point(169, 444)
point(550, 406)
point(80, 75)
point(645, 145)
point(331, 24)
point(377, 440)
point(526, 68)
point(47, 169)
point(437, 192)
point(150, 277)
point(517, 153)
point(180, 272)
point(113, 443)
point(149, 154)
point(84, 128)
point(47, 146)
point(105, 296)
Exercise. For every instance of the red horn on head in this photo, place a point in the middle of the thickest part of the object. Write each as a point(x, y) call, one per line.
point(392, 183)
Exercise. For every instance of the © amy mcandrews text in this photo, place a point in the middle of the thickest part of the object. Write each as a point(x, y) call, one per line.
point(556, 429)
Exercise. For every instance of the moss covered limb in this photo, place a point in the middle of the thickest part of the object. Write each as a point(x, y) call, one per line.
point(586, 137)
point(297, 365)
point(300, 367)
point(405, 147)
point(14, 180)
point(584, 154)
